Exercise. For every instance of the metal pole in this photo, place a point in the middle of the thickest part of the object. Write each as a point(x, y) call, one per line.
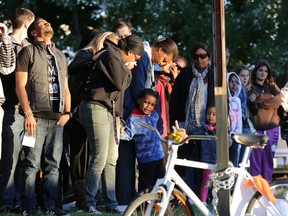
point(221, 99)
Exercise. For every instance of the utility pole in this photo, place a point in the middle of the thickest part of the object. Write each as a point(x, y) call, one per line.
point(221, 99)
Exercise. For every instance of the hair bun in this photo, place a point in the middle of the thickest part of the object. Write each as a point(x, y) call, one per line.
point(160, 38)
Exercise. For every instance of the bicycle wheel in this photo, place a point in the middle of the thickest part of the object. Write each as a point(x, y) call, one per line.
point(178, 205)
point(259, 205)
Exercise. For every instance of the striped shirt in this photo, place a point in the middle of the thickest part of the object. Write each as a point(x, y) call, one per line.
point(7, 61)
point(7, 55)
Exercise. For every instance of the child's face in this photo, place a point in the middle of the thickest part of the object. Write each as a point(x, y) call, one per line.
point(211, 115)
point(147, 104)
point(244, 77)
point(233, 83)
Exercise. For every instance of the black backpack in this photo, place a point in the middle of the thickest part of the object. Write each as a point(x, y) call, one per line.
point(78, 77)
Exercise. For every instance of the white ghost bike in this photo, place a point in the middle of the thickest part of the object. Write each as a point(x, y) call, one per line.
point(245, 201)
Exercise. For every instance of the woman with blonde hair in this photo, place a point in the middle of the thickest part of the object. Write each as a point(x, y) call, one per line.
point(98, 42)
point(100, 111)
point(78, 71)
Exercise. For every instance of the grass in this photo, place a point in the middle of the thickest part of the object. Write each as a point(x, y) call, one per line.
point(72, 212)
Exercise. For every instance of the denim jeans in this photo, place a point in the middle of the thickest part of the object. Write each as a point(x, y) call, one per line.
point(10, 170)
point(98, 124)
point(47, 153)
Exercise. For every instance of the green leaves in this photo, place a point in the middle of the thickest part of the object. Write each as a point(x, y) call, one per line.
point(254, 29)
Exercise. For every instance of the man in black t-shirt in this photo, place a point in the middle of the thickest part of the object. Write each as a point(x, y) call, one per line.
point(44, 96)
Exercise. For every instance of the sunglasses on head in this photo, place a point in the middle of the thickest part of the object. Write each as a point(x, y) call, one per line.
point(197, 56)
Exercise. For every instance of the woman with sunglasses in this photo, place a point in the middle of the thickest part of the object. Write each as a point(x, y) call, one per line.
point(192, 92)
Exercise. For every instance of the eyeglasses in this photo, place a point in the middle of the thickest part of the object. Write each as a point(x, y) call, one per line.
point(197, 56)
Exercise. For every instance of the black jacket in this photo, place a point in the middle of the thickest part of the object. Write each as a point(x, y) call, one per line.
point(108, 80)
point(180, 93)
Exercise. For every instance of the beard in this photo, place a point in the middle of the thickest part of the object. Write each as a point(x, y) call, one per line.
point(49, 32)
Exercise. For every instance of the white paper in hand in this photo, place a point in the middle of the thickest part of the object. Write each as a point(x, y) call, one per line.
point(29, 140)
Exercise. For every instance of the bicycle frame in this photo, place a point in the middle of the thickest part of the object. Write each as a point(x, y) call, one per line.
point(241, 193)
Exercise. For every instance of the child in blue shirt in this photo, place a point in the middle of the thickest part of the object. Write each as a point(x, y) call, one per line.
point(149, 151)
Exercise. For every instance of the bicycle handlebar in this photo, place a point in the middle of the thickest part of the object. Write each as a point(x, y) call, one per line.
point(193, 137)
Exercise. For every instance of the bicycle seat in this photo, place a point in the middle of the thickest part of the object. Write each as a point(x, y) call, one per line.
point(252, 140)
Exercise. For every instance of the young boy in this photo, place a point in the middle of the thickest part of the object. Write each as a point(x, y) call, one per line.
point(149, 151)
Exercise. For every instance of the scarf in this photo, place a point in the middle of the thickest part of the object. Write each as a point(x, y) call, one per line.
point(195, 106)
point(210, 127)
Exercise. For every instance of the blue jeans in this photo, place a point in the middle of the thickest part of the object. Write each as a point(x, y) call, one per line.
point(98, 124)
point(11, 146)
point(49, 139)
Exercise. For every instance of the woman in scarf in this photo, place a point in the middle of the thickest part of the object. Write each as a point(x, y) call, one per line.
point(193, 90)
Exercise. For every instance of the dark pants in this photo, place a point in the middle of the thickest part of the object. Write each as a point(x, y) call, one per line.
point(79, 157)
point(79, 150)
point(149, 173)
point(234, 151)
point(125, 173)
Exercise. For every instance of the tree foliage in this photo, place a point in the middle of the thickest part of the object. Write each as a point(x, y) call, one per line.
point(257, 29)
point(254, 28)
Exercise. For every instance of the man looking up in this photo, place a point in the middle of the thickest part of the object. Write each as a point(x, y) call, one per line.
point(42, 89)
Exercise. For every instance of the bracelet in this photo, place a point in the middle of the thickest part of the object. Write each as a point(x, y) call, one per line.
point(69, 113)
point(28, 115)
point(28, 111)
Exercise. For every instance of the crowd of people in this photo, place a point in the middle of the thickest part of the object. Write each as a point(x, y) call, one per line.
point(94, 104)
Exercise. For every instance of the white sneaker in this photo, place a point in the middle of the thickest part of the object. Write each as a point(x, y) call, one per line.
point(93, 211)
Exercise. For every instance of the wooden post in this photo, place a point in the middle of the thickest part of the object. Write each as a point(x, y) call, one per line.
point(221, 99)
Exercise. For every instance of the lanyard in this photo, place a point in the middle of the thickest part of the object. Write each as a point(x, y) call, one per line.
point(114, 122)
